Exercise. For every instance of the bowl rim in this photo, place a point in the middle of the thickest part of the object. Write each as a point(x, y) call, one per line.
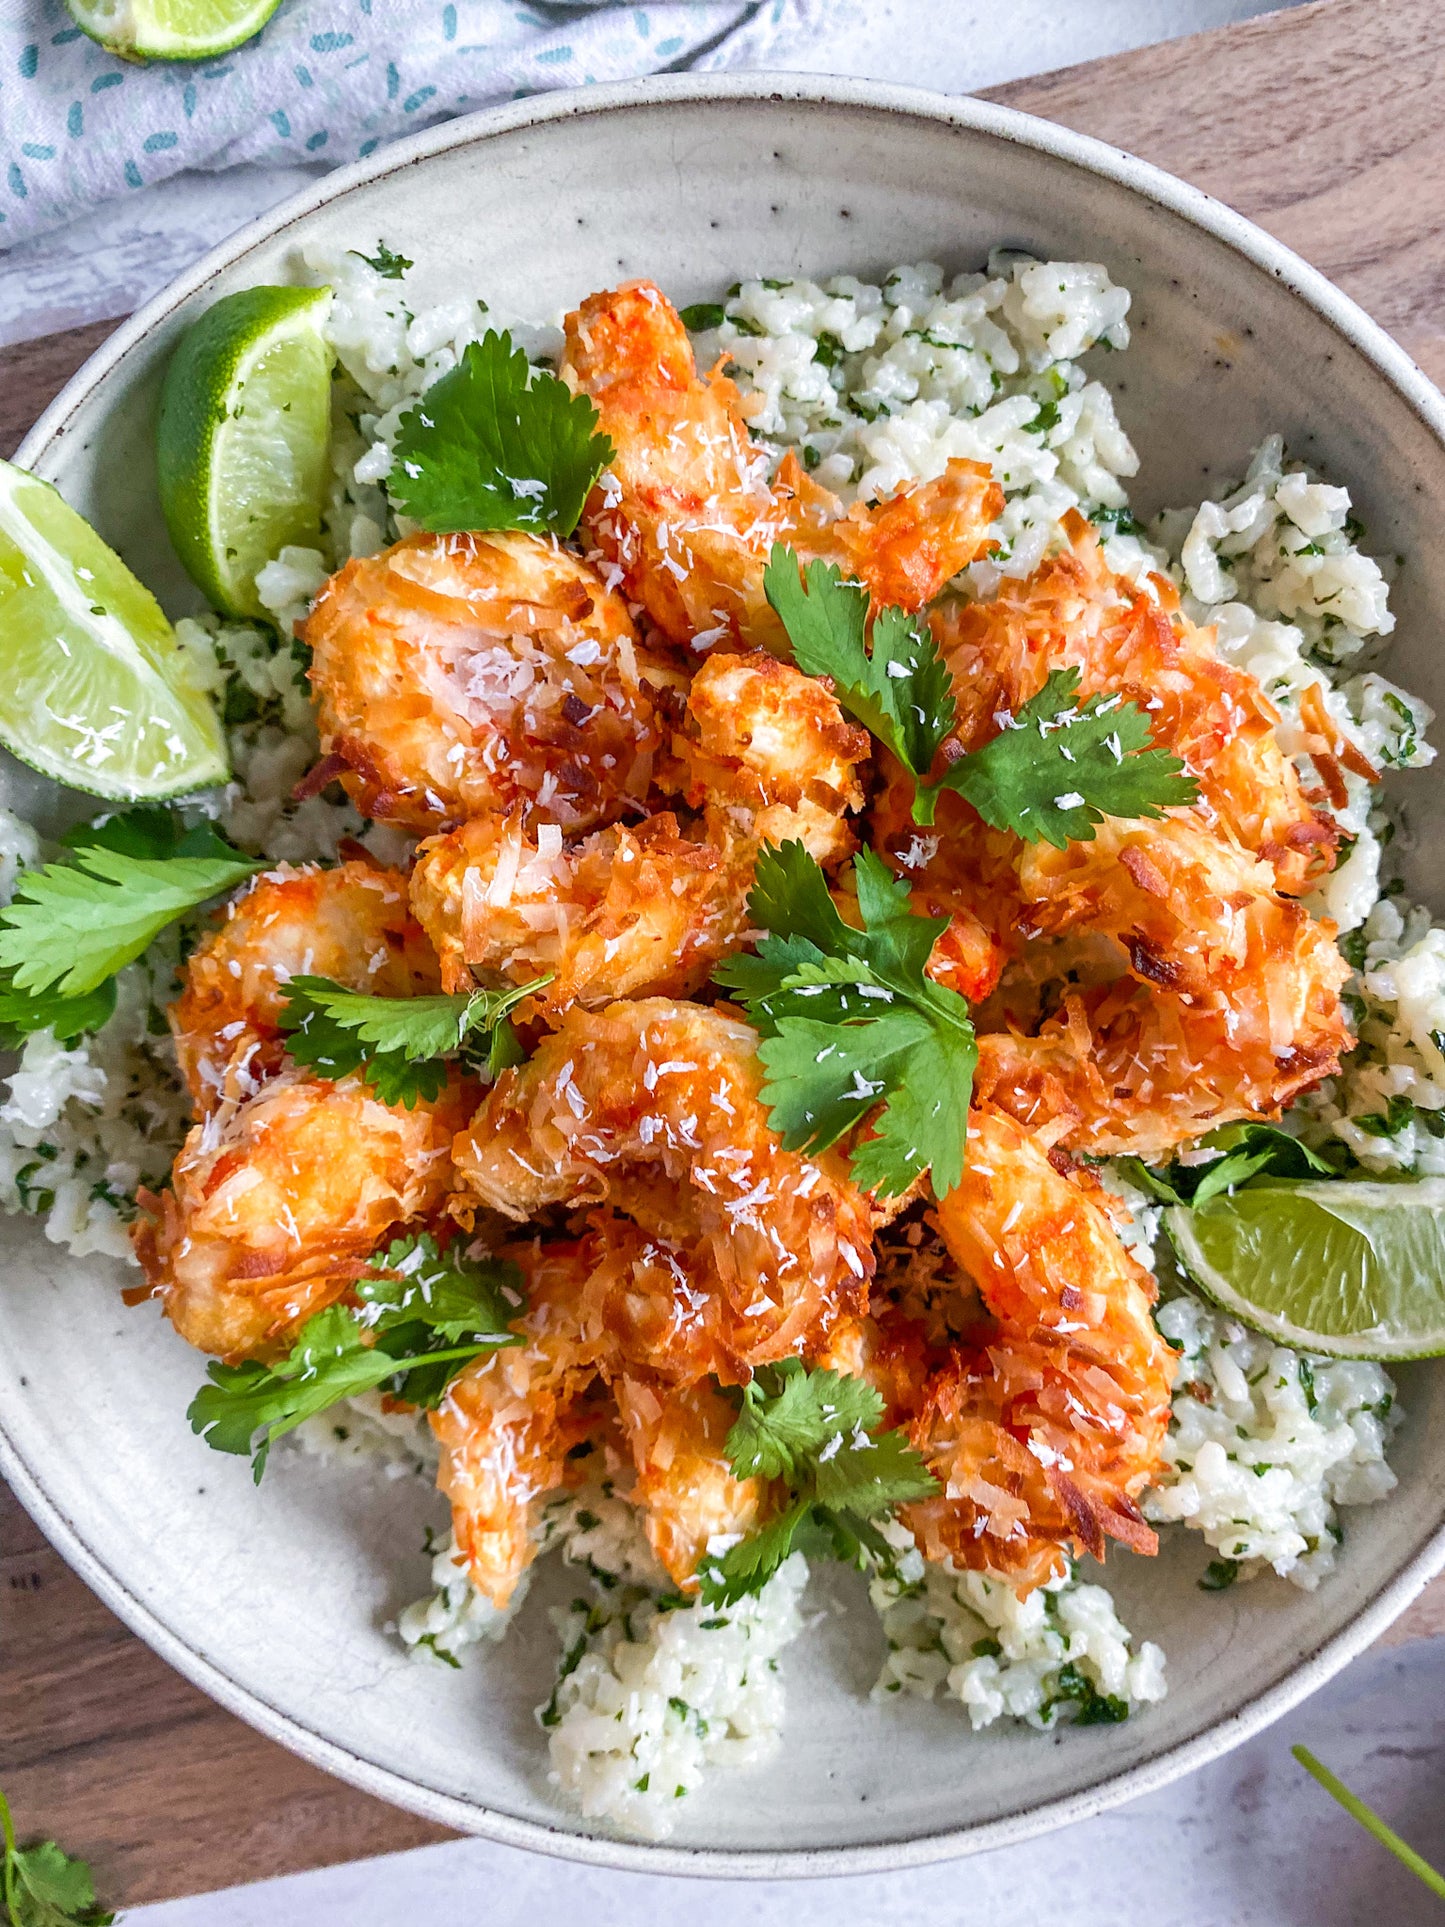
point(604, 1849)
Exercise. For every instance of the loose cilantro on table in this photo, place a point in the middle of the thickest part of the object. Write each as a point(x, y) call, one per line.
point(493, 446)
point(399, 1044)
point(1371, 1821)
point(422, 1315)
point(45, 1887)
point(1247, 1150)
point(814, 1433)
point(390, 266)
point(850, 1023)
point(73, 925)
point(1052, 774)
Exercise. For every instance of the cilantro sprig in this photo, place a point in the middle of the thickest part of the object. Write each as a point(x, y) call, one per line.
point(421, 1316)
point(493, 446)
point(45, 1887)
point(399, 1044)
point(815, 1435)
point(73, 925)
point(1054, 771)
point(850, 1022)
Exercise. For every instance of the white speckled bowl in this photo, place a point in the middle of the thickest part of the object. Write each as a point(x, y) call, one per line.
point(274, 1600)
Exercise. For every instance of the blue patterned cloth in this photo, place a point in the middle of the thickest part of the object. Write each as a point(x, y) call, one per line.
point(325, 81)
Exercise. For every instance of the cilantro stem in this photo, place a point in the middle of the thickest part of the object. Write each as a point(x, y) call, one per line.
point(1370, 1821)
point(12, 1911)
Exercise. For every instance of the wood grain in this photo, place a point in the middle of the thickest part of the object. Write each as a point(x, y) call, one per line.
point(1319, 123)
point(160, 1788)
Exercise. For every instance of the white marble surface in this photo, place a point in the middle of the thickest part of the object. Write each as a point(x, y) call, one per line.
point(111, 261)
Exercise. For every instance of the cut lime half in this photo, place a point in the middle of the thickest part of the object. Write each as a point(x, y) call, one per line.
point(95, 691)
point(170, 29)
point(244, 438)
point(1356, 1270)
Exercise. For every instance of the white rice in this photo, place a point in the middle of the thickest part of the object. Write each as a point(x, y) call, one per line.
point(1062, 1652)
point(1267, 1444)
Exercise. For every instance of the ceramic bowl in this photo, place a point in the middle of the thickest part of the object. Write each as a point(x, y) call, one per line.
point(275, 1600)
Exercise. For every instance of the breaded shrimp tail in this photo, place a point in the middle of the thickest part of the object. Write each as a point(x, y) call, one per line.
point(686, 516)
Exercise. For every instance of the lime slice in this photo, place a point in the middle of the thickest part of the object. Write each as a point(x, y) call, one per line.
point(1354, 1270)
point(244, 436)
point(171, 29)
point(95, 691)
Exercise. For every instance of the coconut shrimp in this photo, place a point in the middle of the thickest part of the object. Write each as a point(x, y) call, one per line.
point(769, 754)
point(765, 753)
point(351, 923)
point(1044, 1420)
point(456, 674)
point(621, 913)
point(1192, 993)
point(276, 1203)
point(653, 1108)
point(686, 516)
point(1074, 612)
point(510, 1423)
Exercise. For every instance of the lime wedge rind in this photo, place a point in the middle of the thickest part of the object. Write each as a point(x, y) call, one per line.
point(1347, 1268)
point(243, 439)
point(171, 29)
point(96, 692)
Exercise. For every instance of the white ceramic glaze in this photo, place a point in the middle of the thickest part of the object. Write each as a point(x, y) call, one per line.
point(274, 1601)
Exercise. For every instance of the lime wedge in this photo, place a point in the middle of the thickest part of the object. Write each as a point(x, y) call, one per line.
point(244, 436)
point(170, 29)
point(95, 691)
point(1354, 1270)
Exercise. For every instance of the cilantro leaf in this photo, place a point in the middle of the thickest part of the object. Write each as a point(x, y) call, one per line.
point(456, 1297)
point(398, 1043)
point(414, 1297)
point(1248, 1150)
point(149, 830)
point(789, 1414)
point(24, 1011)
point(44, 1887)
point(901, 691)
point(492, 446)
point(849, 1023)
point(815, 1432)
point(390, 266)
point(72, 925)
point(1058, 770)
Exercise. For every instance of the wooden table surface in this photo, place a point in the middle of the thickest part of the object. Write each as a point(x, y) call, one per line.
point(1323, 124)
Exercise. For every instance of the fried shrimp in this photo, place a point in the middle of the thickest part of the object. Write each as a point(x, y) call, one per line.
point(685, 1484)
point(276, 1204)
point(510, 1421)
point(351, 923)
point(1074, 612)
point(765, 754)
point(620, 913)
point(769, 754)
point(456, 674)
point(1044, 1422)
point(686, 516)
point(653, 1108)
